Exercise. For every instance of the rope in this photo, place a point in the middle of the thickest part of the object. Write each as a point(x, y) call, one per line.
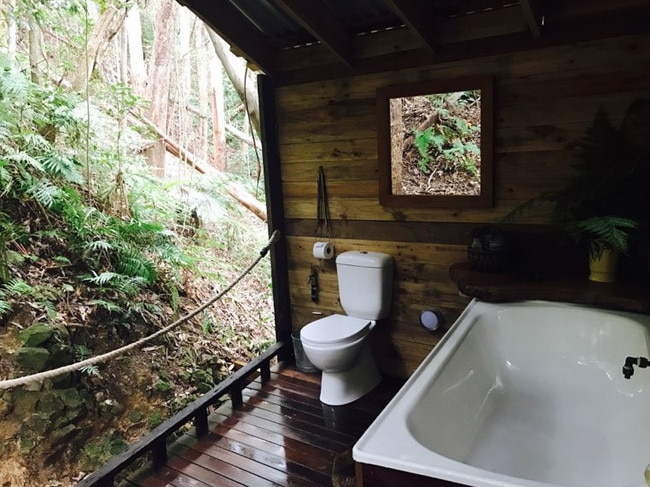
point(49, 374)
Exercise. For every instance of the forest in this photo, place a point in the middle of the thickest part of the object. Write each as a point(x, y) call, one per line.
point(131, 192)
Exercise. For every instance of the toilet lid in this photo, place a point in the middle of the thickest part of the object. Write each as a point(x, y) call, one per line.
point(335, 329)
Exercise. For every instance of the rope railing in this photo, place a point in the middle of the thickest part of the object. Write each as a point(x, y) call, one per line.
point(50, 374)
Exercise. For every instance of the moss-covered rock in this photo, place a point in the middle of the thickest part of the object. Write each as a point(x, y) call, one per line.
point(35, 335)
point(32, 359)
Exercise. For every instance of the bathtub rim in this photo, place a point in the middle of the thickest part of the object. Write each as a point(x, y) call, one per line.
point(374, 446)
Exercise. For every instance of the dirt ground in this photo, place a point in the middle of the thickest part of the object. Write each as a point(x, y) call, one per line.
point(128, 396)
point(440, 180)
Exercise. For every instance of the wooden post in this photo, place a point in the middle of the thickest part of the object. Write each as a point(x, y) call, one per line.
point(201, 422)
point(275, 212)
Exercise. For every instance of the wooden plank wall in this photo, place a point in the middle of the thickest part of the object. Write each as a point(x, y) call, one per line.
point(544, 99)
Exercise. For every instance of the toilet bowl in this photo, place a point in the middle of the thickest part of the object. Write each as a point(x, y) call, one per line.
point(337, 345)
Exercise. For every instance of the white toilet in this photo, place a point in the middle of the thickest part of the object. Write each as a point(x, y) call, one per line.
point(337, 344)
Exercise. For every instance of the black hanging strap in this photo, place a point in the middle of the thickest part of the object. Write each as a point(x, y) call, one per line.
point(322, 212)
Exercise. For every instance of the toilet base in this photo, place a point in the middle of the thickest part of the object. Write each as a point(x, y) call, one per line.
point(339, 388)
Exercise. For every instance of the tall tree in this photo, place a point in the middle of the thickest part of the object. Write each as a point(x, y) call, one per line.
point(137, 68)
point(12, 31)
point(107, 25)
point(218, 116)
point(241, 79)
point(202, 68)
point(159, 78)
point(36, 57)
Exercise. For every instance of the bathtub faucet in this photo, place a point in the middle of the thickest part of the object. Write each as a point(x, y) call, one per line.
point(628, 368)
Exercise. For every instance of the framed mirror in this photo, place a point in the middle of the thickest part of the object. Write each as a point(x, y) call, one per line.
point(435, 142)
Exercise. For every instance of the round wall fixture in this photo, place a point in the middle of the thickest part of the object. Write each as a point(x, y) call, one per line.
point(432, 319)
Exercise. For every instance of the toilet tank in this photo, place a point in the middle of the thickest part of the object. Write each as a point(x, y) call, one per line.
point(365, 283)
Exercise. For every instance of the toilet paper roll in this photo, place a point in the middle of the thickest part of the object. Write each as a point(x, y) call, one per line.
point(323, 250)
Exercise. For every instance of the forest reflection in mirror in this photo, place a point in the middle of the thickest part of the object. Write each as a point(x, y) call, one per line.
point(435, 143)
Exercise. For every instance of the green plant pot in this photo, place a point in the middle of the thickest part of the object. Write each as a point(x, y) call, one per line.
point(604, 267)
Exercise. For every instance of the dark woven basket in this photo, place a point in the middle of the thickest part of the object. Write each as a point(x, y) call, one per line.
point(487, 260)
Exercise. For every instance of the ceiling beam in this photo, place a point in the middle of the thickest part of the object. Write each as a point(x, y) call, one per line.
point(418, 18)
point(233, 27)
point(533, 11)
point(320, 22)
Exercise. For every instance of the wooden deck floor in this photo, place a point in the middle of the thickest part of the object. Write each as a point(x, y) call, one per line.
point(281, 435)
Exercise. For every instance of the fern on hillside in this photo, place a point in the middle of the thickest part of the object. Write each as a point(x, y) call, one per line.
point(133, 263)
point(45, 192)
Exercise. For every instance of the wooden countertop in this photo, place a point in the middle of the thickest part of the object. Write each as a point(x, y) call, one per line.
point(628, 294)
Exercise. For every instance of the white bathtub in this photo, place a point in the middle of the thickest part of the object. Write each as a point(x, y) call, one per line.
point(523, 394)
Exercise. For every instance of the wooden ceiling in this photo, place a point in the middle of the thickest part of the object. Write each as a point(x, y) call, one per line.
point(296, 41)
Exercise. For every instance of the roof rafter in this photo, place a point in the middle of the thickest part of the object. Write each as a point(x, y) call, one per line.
point(243, 37)
point(534, 14)
point(319, 21)
point(419, 19)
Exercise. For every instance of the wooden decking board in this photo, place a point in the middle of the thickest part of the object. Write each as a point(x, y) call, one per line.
point(246, 458)
point(300, 453)
point(277, 437)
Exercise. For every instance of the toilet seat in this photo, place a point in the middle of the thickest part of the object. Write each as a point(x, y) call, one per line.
point(335, 329)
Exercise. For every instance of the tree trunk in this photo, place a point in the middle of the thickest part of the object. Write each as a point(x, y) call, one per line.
point(202, 82)
point(396, 145)
point(159, 76)
point(35, 51)
point(12, 32)
point(236, 70)
point(247, 200)
point(107, 25)
point(137, 69)
point(218, 117)
point(235, 190)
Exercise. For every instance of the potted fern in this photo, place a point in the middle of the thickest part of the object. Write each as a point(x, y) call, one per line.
point(606, 238)
point(605, 204)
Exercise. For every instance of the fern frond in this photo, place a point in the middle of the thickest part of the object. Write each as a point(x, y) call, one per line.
point(103, 278)
point(132, 286)
point(34, 142)
point(600, 232)
point(133, 263)
point(22, 157)
point(63, 166)
point(18, 287)
point(107, 305)
point(45, 192)
point(5, 306)
point(98, 245)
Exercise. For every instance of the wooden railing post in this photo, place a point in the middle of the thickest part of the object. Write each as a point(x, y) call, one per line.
point(155, 443)
point(236, 395)
point(201, 422)
point(159, 452)
point(265, 371)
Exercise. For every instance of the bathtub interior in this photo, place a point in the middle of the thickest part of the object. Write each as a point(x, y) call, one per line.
point(535, 391)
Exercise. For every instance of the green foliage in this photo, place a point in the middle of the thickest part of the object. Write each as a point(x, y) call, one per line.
point(163, 386)
point(604, 204)
point(95, 454)
point(18, 287)
point(81, 352)
point(448, 145)
point(44, 187)
point(156, 418)
point(604, 232)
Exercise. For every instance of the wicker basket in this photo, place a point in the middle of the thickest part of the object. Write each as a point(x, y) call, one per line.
point(487, 260)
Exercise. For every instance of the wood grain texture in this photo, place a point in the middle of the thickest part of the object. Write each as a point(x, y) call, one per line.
point(544, 99)
point(281, 435)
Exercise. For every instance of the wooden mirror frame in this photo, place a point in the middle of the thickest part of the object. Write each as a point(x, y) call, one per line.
point(386, 196)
